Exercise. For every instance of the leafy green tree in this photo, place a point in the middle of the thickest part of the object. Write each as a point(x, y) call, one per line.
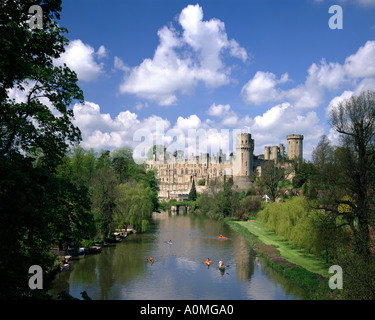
point(36, 132)
point(123, 163)
point(272, 176)
point(42, 120)
point(354, 173)
point(103, 198)
point(133, 205)
point(72, 218)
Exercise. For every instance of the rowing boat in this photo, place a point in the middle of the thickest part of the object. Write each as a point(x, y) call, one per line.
point(221, 237)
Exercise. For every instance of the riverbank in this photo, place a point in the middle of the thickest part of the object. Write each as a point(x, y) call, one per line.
point(304, 270)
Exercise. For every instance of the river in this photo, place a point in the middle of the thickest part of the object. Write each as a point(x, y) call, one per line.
point(122, 272)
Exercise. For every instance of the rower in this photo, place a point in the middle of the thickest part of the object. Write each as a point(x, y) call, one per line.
point(221, 265)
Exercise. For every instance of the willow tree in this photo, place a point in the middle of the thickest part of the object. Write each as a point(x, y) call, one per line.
point(134, 205)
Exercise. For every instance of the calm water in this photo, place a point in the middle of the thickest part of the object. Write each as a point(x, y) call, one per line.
point(121, 272)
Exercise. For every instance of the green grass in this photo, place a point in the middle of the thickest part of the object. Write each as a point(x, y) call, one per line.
point(292, 254)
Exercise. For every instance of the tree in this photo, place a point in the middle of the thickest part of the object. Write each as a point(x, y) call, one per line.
point(323, 153)
point(354, 120)
point(72, 218)
point(133, 205)
point(123, 163)
point(323, 159)
point(104, 198)
point(193, 193)
point(42, 120)
point(35, 134)
point(271, 176)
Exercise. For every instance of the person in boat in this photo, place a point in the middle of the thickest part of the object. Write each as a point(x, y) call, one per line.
point(151, 259)
point(208, 261)
point(170, 241)
point(221, 265)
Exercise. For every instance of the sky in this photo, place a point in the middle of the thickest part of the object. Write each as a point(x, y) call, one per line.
point(165, 69)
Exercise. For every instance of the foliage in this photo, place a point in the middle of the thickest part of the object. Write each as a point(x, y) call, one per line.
point(201, 182)
point(193, 193)
point(303, 226)
point(133, 205)
point(38, 207)
point(273, 177)
point(41, 121)
point(358, 273)
point(249, 206)
point(349, 170)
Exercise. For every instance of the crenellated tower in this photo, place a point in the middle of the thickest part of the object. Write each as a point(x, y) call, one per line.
point(244, 155)
point(295, 146)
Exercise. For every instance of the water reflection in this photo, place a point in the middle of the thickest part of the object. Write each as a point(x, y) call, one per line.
point(122, 271)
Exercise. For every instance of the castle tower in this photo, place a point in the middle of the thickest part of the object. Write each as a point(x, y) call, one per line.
point(244, 155)
point(294, 142)
point(266, 153)
point(274, 152)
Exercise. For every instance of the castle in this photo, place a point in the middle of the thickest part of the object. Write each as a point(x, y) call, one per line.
point(176, 174)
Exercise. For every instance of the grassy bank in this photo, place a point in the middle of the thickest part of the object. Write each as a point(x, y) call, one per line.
point(292, 254)
point(303, 269)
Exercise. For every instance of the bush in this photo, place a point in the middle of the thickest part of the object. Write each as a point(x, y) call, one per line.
point(201, 182)
point(298, 180)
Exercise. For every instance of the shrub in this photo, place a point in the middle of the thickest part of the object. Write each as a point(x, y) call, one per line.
point(201, 182)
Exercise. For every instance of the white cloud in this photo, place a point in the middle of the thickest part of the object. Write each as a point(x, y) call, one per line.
point(362, 63)
point(81, 58)
point(102, 52)
point(181, 62)
point(120, 65)
point(336, 100)
point(272, 127)
point(228, 116)
point(263, 87)
point(100, 131)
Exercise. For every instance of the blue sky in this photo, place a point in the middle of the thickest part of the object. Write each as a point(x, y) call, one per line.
point(271, 68)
